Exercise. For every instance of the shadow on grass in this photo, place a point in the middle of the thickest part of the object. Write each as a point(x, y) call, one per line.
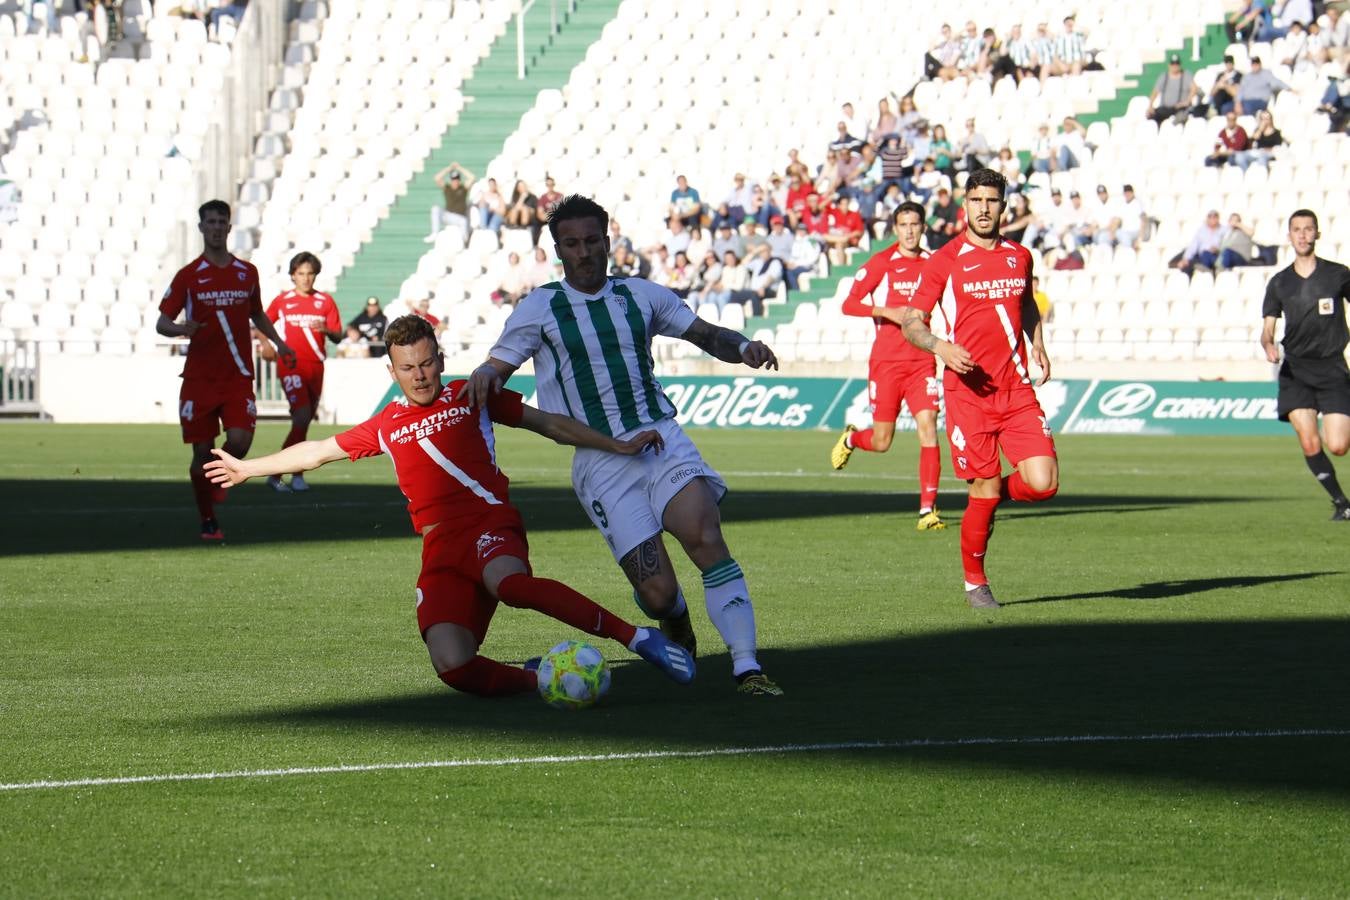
point(991, 679)
point(1166, 590)
point(91, 515)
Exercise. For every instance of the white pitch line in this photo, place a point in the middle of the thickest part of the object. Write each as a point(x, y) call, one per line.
point(914, 744)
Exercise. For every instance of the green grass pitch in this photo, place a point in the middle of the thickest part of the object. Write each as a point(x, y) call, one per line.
point(1186, 596)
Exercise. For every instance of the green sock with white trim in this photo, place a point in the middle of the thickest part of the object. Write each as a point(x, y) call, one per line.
point(728, 600)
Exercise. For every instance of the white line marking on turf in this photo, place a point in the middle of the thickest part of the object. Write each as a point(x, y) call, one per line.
point(914, 744)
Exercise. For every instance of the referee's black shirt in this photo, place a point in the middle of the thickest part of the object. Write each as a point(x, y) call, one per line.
point(1314, 325)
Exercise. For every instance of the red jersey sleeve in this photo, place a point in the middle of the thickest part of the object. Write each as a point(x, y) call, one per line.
point(175, 298)
point(333, 321)
point(274, 308)
point(864, 283)
point(506, 408)
point(363, 440)
point(932, 281)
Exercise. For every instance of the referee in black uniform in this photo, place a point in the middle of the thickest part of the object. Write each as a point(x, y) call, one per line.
point(1311, 294)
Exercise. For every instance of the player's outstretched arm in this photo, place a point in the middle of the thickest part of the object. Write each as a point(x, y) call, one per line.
point(915, 326)
point(729, 346)
point(565, 430)
point(228, 471)
point(485, 381)
point(268, 330)
point(1268, 339)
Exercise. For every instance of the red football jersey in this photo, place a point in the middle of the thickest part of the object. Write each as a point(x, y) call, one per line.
point(444, 454)
point(984, 305)
point(888, 279)
point(224, 299)
point(303, 322)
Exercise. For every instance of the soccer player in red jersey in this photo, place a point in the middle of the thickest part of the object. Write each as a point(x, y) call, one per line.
point(984, 284)
point(897, 370)
point(218, 296)
point(306, 317)
point(474, 551)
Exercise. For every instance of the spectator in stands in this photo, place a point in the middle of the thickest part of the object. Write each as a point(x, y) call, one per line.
point(892, 159)
point(617, 238)
point(1043, 224)
point(940, 151)
point(973, 61)
point(853, 123)
point(1283, 16)
point(927, 181)
point(1070, 50)
point(887, 124)
point(454, 181)
point(354, 345)
point(1236, 246)
point(1043, 46)
point(735, 282)
point(541, 270)
point(685, 202)
point(722, 218)
point(371, 322)
point(1173, 93)
point(706, 275)
point(1133, 218)
point(1265, 137)
point(1203, 250)
point(660, 262)
point(515, 281)
point(1242, 23)
point(1231, 140)
point(779, 239)
point(760, 209)
point(845, 144)
point(845, 228)
point(491, 207)
point(1335, 101)
point(550, 198)
point(738, 198)
point(627, 264)
point(943, 219)
point(676, 238)
point(1336, 29)
point(766, 274)
point(1071, 146)
point(996, 62)
point(777, 194)
point(699, 243)
point(1009, 166)
point(907, 119)
point(1258, 87)
point(1043, 305)
point(34, 23)
point(1223, 95)
point(728, 239)
point(1104, 219)
point(918, 147)
point(422, 309)
point(228, 9)
point(1021, 55)
point(973, 152)
point(796, 167)
point(798, 190)
point(804, 257)
point(1078, 217)
point(944, 57)
point(751, 237)
point(1017, 218)
point(1043, 151)
point(680, 275)
point(521, 208)
point(815, 217)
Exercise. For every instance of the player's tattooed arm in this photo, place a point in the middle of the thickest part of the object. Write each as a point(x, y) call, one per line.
point(643, 561)
point(729, 346)
point(917, 332)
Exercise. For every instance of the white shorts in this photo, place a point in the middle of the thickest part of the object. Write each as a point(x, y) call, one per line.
point(626, 496)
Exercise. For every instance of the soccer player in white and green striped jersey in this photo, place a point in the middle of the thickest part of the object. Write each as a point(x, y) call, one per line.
point(590, 337)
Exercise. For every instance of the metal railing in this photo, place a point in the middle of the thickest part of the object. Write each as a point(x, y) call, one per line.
point(20, 376)
point(552, 28)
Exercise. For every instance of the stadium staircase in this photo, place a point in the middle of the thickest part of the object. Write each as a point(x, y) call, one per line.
point(497, 99)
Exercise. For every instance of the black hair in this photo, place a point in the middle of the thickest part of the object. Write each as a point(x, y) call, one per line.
point(987, 178)
point(304, 256)
point(1304, 214)
point(575, 206)
point(210, 206)
point(909, 206)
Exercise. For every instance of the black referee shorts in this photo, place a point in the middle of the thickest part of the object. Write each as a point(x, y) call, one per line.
point(1320, 384)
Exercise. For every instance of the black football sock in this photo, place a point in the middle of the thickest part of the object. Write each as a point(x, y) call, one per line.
point(1321, 468)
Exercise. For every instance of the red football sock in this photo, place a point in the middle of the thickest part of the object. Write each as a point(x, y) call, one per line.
point(930, 472)
point(294, 436)
point(1015, 488)
point(553, 598)
point(861, 440)
point(203, 491)
point(489, 678)
point(975, 537)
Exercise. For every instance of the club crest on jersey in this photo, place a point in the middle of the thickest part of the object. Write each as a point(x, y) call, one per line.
point(487, 542)
point(1012, 261)
point(242, 275)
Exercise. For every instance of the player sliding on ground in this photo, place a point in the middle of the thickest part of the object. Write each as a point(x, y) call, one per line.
point(590, 337)
point(474, 551)
point(990, 401)
point(897, 369)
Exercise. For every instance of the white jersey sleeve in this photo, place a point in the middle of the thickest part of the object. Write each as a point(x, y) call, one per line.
point(671, 316)
point(520, 338)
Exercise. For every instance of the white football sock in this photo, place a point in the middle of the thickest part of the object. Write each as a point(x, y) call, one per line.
point(728, 601)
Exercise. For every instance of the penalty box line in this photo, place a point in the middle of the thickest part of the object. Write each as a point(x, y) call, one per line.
point(914, 744)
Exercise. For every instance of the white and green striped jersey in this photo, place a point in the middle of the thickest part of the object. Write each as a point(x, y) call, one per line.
point(593, 352)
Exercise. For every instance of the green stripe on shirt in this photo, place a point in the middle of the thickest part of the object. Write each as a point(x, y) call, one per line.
point(582, 376)
point(608, 336)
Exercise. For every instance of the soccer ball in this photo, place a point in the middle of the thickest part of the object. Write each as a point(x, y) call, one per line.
point(572, 675)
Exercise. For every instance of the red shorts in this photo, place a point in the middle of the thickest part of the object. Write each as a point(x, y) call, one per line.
point(450, 587)
point(978, 427)
point(890, 382)
point(205, 406)
point(302, 384)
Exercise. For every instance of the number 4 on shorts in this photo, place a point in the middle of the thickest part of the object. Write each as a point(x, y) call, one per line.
point(957, 438)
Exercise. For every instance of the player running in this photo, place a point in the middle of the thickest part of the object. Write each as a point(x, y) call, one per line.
point(219, 296)
point(990, 401)
point(474, 550)
point(1313, 376)
point(590, 337)
point(307, 317)
point(897, 370)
